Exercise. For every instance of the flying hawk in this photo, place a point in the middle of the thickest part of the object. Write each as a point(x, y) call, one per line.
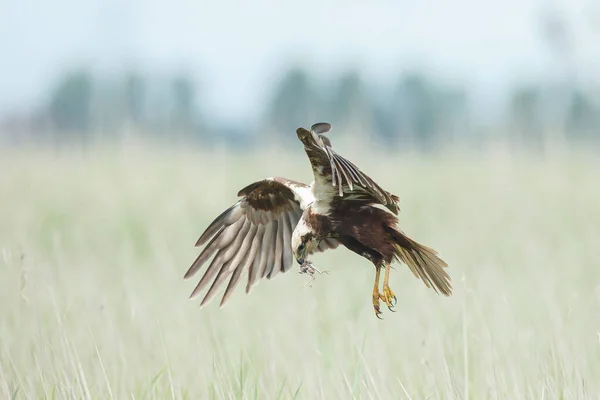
point(277, 220)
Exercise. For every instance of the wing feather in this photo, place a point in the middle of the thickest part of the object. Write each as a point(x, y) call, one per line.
point(278, 251)
point(269, 250)
point(272, 247)
point(243, 264)
point(220, 240)
point(352, 171)
point(257, 258)
point(287, 257)
point(341, 169)
point(334, 171)
point(222, 258)
point(252, 235)
point(232, 264)
point(330, 168)
point(226, 218)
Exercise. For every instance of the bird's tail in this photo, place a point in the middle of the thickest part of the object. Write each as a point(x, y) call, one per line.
point(422, 261)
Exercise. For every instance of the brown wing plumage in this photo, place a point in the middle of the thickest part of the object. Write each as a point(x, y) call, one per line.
point(331, 168)
point(252, 235)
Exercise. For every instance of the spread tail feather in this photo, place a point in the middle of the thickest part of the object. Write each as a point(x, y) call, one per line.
point(423, 262)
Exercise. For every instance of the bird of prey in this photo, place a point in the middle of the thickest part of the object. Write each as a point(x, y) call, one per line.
point(277, 220)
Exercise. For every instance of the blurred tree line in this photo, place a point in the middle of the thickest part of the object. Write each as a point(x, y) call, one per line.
point(85, 105)
point(415, 111)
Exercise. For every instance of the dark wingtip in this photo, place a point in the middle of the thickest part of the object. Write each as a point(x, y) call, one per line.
point(190, 272)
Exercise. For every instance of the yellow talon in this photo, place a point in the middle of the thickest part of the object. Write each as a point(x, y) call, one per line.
point(388, 297)
point(376, 303)
point(376, 294)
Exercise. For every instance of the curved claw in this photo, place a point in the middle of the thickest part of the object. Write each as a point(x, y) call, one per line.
point(376, 304)
point(391, 308)
point(388, 297)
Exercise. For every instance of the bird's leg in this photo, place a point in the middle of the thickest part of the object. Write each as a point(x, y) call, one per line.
point(388, 295)
point(376, 295)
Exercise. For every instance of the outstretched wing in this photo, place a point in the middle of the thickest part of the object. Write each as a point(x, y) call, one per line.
point(332, 169)
point(252, 235)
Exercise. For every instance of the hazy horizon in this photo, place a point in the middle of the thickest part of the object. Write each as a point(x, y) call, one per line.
point(237, 56)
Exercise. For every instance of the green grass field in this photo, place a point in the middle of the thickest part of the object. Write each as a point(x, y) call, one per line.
point(94, 246)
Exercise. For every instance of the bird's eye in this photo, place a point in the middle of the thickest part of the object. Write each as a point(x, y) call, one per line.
point(301, 247)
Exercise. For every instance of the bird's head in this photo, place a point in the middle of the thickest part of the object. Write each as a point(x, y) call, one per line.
point(304, 241)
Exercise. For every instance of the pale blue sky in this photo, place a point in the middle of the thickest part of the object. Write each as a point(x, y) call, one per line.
point(239, 48)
